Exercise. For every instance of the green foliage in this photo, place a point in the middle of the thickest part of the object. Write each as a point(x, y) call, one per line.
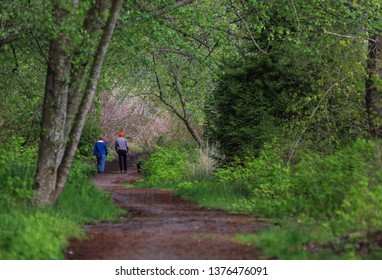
point(90, 134)
point(250, 104)
point(211, 193)
point(264, 179)
point(27, 232)
point(346, 184)
point(293, 74)
point(21, 88)
point(336, 200)
point(35, 235)
point(166, 164)
point(16, 176)
point(82, 201)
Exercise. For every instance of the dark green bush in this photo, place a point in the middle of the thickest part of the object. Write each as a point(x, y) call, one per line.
point(249, 106)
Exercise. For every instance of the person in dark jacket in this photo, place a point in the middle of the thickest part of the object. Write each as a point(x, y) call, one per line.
point(100, 151)
point(122, 149)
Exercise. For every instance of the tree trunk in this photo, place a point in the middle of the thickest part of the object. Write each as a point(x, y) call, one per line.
point(91, 87)
point(373, 94)
point(52, 138)
point(80, 71)
point(61, 133)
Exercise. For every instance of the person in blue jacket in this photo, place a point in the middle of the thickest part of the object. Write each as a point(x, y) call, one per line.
point(100, 151)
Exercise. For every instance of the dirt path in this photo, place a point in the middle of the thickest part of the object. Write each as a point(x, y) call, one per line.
point(160, 225)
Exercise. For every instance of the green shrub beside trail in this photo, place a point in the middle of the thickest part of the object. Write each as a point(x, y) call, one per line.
point(167, 164)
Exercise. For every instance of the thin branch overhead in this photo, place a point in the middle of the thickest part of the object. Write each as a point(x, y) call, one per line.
point(175, 5)
point(249, 31)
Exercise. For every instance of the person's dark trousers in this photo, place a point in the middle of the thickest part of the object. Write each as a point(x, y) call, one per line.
point(98, 164)
point(122, 156)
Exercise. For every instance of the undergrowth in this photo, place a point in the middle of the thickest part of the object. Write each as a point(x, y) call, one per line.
point(28, 232)
point(325, 206)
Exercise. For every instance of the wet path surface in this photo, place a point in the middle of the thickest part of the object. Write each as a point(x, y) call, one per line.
point(160, 225)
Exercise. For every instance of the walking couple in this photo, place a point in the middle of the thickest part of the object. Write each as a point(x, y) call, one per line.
point(101, 151)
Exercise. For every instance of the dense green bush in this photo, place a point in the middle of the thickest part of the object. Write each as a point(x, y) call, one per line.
point(347, 184)
point(166, 164)
point(263, 179)
point(249, 106)
point(335, 202)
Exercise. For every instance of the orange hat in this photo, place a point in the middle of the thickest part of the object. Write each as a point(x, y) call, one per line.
point(120, 134)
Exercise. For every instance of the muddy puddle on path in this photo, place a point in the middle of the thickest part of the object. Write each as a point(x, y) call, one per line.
point(161, 226)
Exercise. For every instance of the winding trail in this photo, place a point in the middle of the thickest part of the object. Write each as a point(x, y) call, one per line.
point(161, 226)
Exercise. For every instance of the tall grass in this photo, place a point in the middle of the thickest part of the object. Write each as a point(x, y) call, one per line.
point(211, 193)
point(190, 174)
point(29, 232)
point(82, 201)
point(36, 234)
point(203, 164)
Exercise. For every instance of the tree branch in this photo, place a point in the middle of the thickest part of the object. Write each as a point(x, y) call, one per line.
point(348, 36)
point(8, 40)
point(293, 148)
point(175, 5)
point(249, 31)
point(161, 94)
point(15, 57)
point(180, 94)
